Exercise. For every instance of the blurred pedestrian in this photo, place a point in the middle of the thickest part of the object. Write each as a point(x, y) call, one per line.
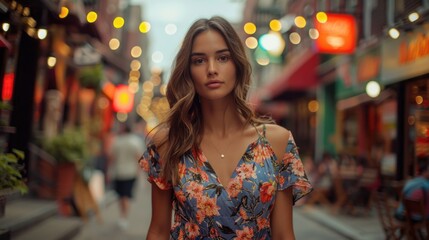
point(126, 149)
point(417, 188)
point(227, 173)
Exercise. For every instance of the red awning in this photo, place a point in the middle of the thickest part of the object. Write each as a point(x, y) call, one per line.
point(298, 75)
point(4, 42)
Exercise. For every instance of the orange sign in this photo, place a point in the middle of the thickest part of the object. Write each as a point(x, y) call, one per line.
point(337, 35)
point(123, 99)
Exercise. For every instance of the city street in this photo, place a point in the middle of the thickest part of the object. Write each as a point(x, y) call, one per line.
point(305, 228)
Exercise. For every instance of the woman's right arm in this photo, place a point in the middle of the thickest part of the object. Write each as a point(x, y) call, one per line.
point(160, 224)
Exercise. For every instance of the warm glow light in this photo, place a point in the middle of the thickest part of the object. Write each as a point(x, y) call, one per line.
point(295, 38)
point(275, 25)
point(322, 17)
point(123, 99)
point(419, 100)
point(114, 43)
point(170, 29)
point(313, 106)
point(118, 22)
point(135, 65)
point(144, 27)
point(136, 51)
point(300, 22)
point(394, 33)
point(42, 33)
point(263, 61)
point(51, 61)
point(251, 42)
point(414, 16)
point(91, 17)
point(373, 89)
point(5, 27)
point(64, 12)
point(249, 28)
point(313, 33)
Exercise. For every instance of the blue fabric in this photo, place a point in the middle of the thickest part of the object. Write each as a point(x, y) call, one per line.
point(205, 209)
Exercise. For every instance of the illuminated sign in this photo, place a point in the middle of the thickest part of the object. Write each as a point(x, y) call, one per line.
point(123, 99)
point(6, 93)
point(337, 35)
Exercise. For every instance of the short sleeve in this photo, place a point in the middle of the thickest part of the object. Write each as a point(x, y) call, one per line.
point(291, 172)
point(150, 163)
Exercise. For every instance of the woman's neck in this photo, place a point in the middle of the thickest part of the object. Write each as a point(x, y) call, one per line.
point(221, 118)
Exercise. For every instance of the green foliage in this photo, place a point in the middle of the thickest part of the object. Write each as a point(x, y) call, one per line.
point(91, 76)
point(10, 175)
point(69, 146)
point(4, 105)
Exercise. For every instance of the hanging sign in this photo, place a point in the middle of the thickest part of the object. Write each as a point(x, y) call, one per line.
point(337, 35)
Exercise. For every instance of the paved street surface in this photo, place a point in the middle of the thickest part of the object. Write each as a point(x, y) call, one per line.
point(309, 222)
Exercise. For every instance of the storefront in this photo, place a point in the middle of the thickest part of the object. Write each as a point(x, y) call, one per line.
point(359, 118)
point(405, 64)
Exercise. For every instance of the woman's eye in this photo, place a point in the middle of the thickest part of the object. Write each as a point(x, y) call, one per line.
point(198, 61)
point(224, 58)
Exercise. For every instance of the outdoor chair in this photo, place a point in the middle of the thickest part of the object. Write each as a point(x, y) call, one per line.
point(417, 224)
point(393, 229)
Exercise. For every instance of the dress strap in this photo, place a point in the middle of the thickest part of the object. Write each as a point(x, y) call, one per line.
point(264, 128)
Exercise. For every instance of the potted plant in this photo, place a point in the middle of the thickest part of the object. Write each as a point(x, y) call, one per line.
point(91, 76)
point(11, 180)
point(70, 150)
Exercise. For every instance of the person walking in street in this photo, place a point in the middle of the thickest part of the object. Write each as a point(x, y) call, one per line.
point(225, 172)
point(126, 149)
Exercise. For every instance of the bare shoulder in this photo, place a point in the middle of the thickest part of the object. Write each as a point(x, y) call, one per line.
point(278, 137)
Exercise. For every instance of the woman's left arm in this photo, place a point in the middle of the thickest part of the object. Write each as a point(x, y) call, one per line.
point(282, 217)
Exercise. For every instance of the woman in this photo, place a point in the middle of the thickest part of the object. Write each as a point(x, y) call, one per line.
point(224, 172)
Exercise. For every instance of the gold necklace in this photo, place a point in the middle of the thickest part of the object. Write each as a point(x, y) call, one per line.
point(222, 156)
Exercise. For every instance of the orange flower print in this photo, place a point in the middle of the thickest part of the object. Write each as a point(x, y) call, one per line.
point(192, 230)
point(195, 189)
point(246, 233)
point(180, 196)
point(281, 180)
point(181, 234)
point(266, 190)
point(214, 233)
point(234, 187)
point(144, 164)
point(288, 158)
point(246, 171)
point(182, 170)
point(243, 214)
point(298, 168)
point(200, 216)
point(160, 182)
point(260, 154)
point(262, 223)
point(208, 206)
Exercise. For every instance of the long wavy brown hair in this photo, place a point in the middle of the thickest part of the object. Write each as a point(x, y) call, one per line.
point(184, 121)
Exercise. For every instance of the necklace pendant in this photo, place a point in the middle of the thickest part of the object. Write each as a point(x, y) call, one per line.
point(222, 156)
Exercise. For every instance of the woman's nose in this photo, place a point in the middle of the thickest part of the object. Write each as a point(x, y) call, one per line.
point(212, 69)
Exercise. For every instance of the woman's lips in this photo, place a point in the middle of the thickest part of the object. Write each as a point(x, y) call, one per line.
point(214, 84)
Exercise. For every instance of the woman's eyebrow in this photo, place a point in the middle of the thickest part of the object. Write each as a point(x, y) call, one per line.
point(203, 54)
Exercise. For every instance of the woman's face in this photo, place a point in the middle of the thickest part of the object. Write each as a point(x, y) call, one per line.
point(212, 68)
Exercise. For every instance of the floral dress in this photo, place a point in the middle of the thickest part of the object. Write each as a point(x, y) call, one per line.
point(205, 209)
